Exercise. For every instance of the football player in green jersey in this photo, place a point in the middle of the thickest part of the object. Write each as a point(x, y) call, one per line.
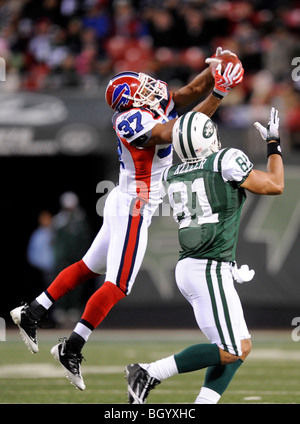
point(206, 192)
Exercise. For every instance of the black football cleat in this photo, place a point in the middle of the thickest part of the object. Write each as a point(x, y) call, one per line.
point(27, 326)
point(70, 361)
point(139, 383)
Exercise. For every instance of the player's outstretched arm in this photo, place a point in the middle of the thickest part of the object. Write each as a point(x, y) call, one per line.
point(271, 181)
point(198, 87)
point(209, 105)
point(161, 134)
point(225, 71)
point(223, 83)
point(220, 81)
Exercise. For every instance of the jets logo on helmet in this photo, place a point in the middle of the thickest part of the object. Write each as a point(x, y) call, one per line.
point(208, 129)
point(195, 136)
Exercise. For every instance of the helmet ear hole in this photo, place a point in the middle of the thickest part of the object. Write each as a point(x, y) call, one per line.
point(195, 137)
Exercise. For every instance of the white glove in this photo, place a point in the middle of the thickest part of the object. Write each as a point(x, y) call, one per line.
point(242, 274)
point(272, 130)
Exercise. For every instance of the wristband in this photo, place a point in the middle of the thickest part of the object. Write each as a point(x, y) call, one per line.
point(218, 95)
point(273, 149)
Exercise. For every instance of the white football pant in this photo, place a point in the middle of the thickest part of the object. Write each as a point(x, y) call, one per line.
point(208, 286)
point(119, 247)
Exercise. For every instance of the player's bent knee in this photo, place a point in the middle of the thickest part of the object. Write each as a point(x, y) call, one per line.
point(246, 348)
point(227, 358)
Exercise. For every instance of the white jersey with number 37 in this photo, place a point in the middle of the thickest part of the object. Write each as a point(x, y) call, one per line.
point(141, 167)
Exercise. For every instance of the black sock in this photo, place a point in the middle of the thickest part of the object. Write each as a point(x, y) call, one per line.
point(75, 343)
point(36, 311)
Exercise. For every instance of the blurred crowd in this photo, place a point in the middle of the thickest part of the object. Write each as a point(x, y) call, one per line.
point(54, 44)
point(58, 241)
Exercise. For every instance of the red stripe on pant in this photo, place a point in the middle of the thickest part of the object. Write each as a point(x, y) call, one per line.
point(131, 244)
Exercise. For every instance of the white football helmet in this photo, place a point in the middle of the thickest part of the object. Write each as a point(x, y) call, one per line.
point(195, 136)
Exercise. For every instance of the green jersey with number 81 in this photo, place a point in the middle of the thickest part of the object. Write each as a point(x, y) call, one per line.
point(207, 199)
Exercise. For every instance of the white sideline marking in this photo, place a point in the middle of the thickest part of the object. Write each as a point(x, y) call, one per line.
point(50, 371)
point(274, 354)
point(40, 370)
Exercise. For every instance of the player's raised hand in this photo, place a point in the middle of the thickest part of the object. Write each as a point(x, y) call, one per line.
point(232, 76)
point(227, 71)
point(271, 132)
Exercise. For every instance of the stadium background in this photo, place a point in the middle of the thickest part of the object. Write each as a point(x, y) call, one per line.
point(56, 135)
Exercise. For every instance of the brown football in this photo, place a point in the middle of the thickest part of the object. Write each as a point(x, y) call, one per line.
point(224, 59)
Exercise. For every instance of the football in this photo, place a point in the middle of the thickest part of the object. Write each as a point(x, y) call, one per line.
point(224, 59)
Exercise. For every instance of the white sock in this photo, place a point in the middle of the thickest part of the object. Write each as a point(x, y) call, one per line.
point(161, 369)
point(44, 300)
point(207, 396)
point(83, 331)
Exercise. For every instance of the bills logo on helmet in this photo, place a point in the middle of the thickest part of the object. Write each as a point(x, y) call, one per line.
point(118, 98)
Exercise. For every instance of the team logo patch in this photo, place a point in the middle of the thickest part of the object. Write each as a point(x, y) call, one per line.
point(208, 129)
point(118, 96)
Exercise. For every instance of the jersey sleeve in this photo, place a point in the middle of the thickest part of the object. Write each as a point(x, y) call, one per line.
point(164, 184)
point(235, 166)
point(134, 126)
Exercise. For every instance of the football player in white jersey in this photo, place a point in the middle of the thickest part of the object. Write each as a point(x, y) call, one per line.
point(206, 192)
point(145, 112)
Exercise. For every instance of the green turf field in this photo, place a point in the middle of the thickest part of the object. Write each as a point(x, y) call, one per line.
point(271, 373)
